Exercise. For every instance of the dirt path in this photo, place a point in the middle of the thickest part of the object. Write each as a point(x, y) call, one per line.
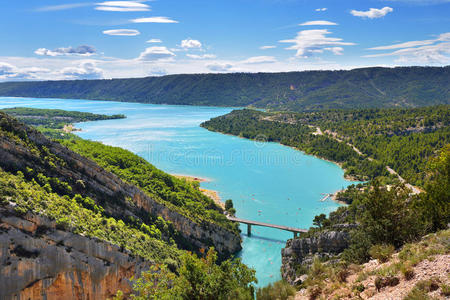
point(335, 136)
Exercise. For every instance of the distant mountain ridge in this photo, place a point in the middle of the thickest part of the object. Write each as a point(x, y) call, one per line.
point(295, 91)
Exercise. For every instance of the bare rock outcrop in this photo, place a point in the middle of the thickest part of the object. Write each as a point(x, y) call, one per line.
point(301, 251)
point(38, 261)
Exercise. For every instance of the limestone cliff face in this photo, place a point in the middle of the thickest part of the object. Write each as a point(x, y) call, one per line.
point(38, 261)
point(301, 251)
point(89, 179)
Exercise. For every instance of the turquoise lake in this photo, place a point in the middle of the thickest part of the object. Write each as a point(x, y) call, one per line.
point(268, 182)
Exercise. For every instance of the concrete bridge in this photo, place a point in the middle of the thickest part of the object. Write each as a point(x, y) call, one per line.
point(249, 223)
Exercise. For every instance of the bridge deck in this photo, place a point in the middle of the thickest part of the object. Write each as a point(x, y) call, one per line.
point(248, 222)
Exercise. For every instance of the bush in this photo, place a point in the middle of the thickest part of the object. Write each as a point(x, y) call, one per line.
point(381, 282)
point(445, 290)
point(407, 271)
point(280, 290)
point(382, 252)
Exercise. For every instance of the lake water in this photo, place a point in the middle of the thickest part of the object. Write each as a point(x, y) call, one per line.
point(268, 182)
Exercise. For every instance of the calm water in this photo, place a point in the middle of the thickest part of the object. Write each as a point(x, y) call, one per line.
point(267, 182)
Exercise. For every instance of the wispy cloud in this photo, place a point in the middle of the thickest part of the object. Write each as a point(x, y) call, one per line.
point(219, 67)
point(321, 9)
point(318, 23)
point(426, 51)
point(83, 50)
point(372, 13)
point(259, 60)
point(155, 54)
point(122, 6)
point(204, 56)
point(122, 32)
point(153, 20)
point(309, 42)
point(154, 41)
point(63, 7)
point(267, 47)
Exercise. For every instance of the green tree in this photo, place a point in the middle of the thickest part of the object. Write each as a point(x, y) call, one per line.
point(436, 199)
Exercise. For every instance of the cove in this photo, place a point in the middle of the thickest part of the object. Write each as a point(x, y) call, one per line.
point(268, 182)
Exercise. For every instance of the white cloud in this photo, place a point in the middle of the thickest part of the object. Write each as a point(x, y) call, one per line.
point(219, 67)
point(155, 53)
point(426, 51)
point(122, 6)
point(154, 41)
point(62, 7)
point(335, 50)
point(267, 47)
point(372, 13)
point(204, 56)
point(11, 72)
point(85, 70)
point(190, 44)
point(318, 23)
point(83, 50)
point(442, 38)
point(309, 42)
point(321, 9)
point(259, 60)
point(153, 20)
point(122, 32)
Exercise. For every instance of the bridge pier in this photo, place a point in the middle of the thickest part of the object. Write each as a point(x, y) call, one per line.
point(249, 229)
point(295, 234)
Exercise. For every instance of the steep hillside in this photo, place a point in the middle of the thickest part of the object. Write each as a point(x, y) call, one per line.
point(296, 91)
point(25, 149)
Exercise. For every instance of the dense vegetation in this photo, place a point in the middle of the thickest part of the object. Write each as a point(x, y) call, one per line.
point(295, 91)
point(187, 276)
point(82, 216)
point(388, 219)
point(178, 194)
point(54, 118)
point(403, 139)
point(201, 279)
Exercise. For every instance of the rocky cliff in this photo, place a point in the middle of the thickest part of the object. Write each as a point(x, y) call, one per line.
point(89, 179)
point(38, 261)
point(301, 251)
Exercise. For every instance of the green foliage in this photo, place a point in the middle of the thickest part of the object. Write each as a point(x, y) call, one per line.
point(175, 193)
point(295, 91)
point(279, 290)
point(382, 252)
point(422, 288)
point(82, 216)
point(436, 200)
point(321, 221)
point(199, 279)
point(404, 139)
point(54, 118)
point(228, 204)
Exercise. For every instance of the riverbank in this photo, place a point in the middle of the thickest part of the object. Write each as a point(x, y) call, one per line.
point(210, 193)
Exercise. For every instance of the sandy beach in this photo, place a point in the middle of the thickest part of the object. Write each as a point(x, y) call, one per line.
point(210, 193)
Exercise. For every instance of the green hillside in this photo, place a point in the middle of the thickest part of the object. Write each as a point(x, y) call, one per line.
point(295, 91)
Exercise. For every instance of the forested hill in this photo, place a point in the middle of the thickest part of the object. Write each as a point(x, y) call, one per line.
point(295, 91)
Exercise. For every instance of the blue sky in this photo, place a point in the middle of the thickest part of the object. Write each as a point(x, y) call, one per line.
point(54, 39)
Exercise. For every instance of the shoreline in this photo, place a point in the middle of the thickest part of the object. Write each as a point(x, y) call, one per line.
point(214, 195)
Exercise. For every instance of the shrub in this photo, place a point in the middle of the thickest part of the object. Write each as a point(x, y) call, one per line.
point(407, 271)
point(381, 252)
point(359, 288)
point(381, 282)
point(280, 290)
point(445, 290)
